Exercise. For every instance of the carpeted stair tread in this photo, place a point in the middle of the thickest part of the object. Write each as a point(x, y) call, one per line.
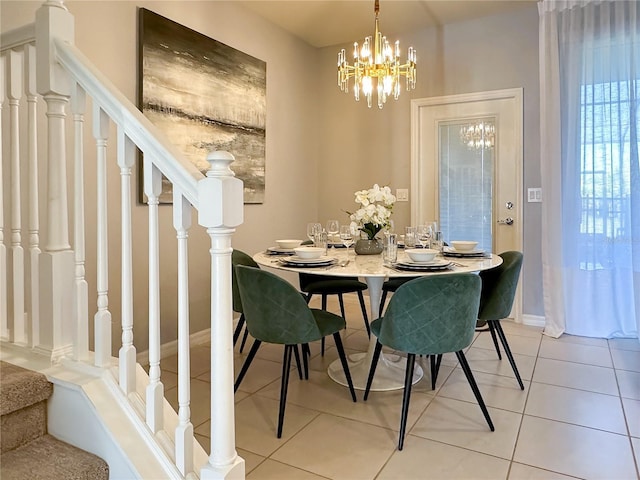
point(21, 388)
point(22, 426)
point(48, 458)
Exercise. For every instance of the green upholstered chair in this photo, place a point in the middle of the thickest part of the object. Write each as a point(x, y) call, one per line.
point(498, 292)
point(391, 285)
point(430, 316)
point(239, 257)
point(325, 285)
point(275, 312)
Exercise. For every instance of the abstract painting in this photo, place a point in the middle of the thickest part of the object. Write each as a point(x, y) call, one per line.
point(203, 95)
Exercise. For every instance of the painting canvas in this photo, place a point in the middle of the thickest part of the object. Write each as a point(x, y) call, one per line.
point(204, 95)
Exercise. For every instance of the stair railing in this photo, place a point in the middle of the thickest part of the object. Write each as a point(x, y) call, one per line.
point(40, 61)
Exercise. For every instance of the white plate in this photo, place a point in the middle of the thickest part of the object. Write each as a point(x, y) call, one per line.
point(297, 259)
point(280, 250)
point(475, 251)
point(422, 267)
point(431, 263)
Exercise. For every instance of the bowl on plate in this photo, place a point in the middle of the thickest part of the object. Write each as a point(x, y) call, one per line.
point(463, 245)
point(421, 254)
point(289, 243)
point(309, 252)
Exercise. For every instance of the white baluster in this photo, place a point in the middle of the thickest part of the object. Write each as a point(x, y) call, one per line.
point(4, 325)
point(220, 211)
point(155, 389)
point(34, 222)
point(14, 93)
point(81, 305)
point(127, 354)
point(102, 317)
point(184, 431)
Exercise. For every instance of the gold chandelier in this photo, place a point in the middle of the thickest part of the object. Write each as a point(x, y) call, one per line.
point(378, 69)
point(478, 135)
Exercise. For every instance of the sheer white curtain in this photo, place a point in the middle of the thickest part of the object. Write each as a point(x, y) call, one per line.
point(590, 97)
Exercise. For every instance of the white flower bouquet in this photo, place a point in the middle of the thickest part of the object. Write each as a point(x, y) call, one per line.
point(376, 206)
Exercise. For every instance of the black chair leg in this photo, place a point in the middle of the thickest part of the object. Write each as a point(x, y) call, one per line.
point(341, 302)
point(324, 307)
point(474, 386)
point(406, 397)
point(435, 368)
point(372, 369)
point(345, 365)
point(365, 317)
point(244, 339)
point(296, 354)
point(382, 302)
point(236, 332)
point(507, 350)
point(492, 330)
point(286, 367)
point(306, 355)
point(245, 366)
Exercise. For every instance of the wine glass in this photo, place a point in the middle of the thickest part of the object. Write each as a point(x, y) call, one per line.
point(333, 228)
point(424, 235)
point(346, 235)
point(312, 229)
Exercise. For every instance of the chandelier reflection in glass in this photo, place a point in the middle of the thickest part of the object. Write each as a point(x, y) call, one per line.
point(376, 66)
point(478, 135)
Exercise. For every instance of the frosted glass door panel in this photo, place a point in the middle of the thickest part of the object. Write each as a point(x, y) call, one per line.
point(465, 177)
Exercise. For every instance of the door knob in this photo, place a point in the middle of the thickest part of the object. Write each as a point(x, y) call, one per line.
point(506, 221)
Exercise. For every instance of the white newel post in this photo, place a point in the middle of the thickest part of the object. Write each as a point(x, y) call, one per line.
point(54, 22)
point(220, 210)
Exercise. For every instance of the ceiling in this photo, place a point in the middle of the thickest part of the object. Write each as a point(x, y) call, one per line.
point(321, 23)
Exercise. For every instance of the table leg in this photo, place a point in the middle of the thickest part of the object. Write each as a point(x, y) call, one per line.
point(391, 368)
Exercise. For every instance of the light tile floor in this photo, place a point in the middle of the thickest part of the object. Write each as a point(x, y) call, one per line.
point(578, 417)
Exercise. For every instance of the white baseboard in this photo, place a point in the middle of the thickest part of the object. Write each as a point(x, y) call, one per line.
point(533, 321)
point(171, 348)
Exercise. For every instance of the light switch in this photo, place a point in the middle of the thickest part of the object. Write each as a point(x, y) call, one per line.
point(534, 195)
point(402, 194)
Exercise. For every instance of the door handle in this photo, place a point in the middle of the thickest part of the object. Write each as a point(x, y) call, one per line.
point(506, 221)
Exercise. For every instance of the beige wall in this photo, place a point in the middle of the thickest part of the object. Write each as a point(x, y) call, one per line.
point(321, 144)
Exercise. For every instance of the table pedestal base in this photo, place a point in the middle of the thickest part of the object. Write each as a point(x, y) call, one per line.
point(389, 374)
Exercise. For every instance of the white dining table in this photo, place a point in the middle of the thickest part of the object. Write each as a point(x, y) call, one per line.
point(391, 367)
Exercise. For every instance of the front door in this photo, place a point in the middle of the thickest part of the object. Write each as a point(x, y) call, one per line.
point(466, 168)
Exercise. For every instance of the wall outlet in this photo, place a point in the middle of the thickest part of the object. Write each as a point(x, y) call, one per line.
point(402, 194)
point(534, 195)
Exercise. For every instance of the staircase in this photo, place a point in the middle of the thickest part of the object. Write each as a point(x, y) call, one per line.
point(59, 266)
point(27, 451)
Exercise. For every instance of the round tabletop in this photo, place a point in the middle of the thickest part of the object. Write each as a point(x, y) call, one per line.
point(373, 266)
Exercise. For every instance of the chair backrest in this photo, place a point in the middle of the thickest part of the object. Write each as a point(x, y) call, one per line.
point(499, 287)
point(274, 310)
point(433, 314)
point(238, 257)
